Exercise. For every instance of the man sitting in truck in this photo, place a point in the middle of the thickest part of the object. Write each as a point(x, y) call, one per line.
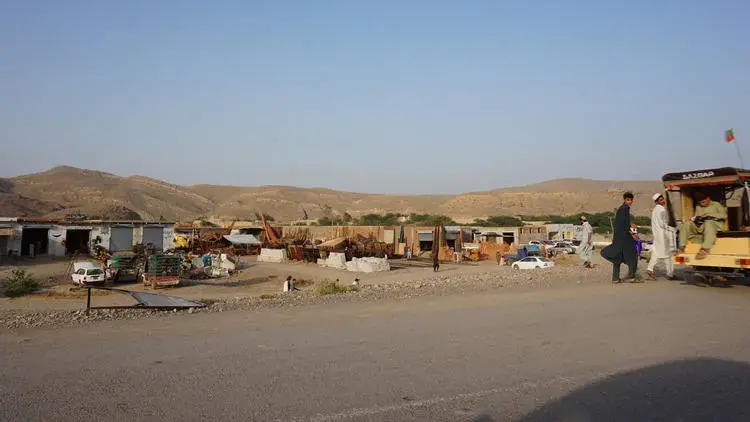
point(702, 228)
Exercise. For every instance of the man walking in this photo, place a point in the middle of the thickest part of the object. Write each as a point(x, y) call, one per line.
point(664, 238)
point(622, 249)
point(435, 262)
point(587, 242)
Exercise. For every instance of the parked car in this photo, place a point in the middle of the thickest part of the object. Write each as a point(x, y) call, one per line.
point(87, 273)
point(532, 262)
point(561, 247)
point(570, 244)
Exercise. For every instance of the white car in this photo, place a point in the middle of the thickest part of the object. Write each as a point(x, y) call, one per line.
point(87, 273)
point(532, 262)
point(568, 245)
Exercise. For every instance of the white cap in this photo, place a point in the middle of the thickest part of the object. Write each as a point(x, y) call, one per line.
point(656, 196)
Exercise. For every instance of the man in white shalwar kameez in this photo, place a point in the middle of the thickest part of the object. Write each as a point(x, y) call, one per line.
point(664, 238)
point(587, 242)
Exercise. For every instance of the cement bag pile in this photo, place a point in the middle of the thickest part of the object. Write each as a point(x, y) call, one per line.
point(272, 255)
point(335, 260)
point(368, 265)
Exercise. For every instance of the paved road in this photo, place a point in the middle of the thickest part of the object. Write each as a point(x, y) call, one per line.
point(629, 352)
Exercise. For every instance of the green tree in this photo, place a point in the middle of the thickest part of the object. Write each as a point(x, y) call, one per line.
point(328, 221)
point(504, 221)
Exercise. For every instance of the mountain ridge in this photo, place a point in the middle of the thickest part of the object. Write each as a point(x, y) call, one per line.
point(67, 189)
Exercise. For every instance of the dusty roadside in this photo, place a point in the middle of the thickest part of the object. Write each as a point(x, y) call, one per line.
point(258, 287)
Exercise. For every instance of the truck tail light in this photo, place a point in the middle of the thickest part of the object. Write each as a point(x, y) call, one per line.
point(743, 261)
point(680, 259)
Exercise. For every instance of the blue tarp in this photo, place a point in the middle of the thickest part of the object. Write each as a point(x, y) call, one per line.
point(532, 248)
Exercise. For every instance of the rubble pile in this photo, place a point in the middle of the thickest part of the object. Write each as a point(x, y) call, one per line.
point(210, 265)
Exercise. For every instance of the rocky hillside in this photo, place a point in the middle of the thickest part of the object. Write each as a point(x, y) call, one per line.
point(63, 190)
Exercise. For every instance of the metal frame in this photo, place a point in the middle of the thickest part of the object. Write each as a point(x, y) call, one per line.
point(139, 305)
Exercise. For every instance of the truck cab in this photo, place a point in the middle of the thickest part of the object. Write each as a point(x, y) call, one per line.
point(730, 255)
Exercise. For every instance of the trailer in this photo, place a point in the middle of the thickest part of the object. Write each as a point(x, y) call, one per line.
point(162, 271)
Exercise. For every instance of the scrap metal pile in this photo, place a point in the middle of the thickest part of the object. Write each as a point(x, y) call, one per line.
point(209, 265)
point(161, 269)
point(204, 240)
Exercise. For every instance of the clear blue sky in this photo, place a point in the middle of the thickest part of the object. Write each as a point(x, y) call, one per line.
point(392, 96)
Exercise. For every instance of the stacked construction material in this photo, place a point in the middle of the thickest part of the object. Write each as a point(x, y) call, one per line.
point(368, 265)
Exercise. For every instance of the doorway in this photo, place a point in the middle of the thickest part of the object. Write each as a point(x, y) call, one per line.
point(77, 241)
point(35, 238)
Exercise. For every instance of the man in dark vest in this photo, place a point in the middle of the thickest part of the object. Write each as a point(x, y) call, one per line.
point(622, 249)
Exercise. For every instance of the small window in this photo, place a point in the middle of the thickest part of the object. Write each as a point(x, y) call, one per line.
point(81, 271)
point(94, 271)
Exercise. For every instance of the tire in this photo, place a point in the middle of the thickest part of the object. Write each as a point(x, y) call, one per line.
point(515, 267)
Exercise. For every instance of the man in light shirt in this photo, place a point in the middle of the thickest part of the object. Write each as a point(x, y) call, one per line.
point(664, 238)
point(709, 219)
point(587, 242)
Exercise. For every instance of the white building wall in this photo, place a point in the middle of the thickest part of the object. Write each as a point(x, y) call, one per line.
point(100, 232)
point(168, 237)
point(137, 235)
point(14, 244)
point(56, 236)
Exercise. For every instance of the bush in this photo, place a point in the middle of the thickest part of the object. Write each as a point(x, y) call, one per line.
point(331, 288)
point(302, 282)
point(19, 283)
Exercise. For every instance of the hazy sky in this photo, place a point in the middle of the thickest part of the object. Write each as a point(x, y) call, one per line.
point(393, 96)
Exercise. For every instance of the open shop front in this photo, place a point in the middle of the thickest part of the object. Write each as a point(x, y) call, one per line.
point(77, 241)
point(34, 241)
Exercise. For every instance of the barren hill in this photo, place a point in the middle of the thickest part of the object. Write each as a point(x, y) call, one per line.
point(64, 189)
point(96, 193)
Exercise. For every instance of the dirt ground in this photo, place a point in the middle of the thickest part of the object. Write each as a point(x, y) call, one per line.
point(253, 279)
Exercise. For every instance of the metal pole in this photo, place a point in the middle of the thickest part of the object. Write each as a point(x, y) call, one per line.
point(739, 154)
point(88, 301)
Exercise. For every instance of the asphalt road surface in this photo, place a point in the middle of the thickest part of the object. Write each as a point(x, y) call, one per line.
point(628, 352)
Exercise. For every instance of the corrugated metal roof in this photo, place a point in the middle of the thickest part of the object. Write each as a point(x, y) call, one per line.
point(82, 222)
point(242, 239)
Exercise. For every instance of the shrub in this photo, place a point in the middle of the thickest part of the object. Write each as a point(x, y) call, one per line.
point(19, 283)
point(302, 282)
point(328, 287)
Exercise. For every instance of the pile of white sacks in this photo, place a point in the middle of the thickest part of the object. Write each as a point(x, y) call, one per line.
point(335, 260)
point(272, 255)
point(359, 265)
point(368, 265)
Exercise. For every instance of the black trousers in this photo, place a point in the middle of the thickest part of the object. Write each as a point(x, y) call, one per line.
point(632, 267)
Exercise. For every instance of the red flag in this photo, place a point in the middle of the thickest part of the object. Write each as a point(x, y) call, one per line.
point(729, 135)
